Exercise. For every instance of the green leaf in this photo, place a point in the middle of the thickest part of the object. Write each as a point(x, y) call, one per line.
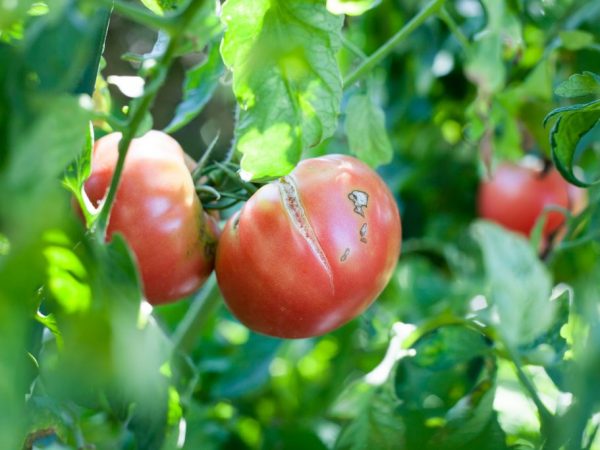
point(56, 138)
point(249, 367)
point(485, 62)
point(519, 284)
point(286, 79)
point(576, 39)
point(74, 41)
point(578, 85)
point(66, 279)
point(11, 12)
point(572, 123)
point(365, 128)
point(200, 84)
point(376, 426)
point(351, 7)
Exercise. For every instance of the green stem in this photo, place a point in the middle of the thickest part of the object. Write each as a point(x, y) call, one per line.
point(143, 16)
point(352, 48)
point(454, 28)
point(432, 8)
point(204, 304)
point(139, 109)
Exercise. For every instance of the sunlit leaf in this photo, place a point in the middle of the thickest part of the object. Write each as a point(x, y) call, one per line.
point(285, 78)
point(351, 7)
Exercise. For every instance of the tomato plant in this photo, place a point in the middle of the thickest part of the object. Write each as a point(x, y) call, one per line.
point(311, 250)
point(472, 340)
point(158, 212)
point(516, 196)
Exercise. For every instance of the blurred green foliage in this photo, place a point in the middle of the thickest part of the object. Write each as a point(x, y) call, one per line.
point(477, 341)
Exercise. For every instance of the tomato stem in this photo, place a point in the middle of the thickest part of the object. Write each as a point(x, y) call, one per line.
point(140, 107)
point(204, 304)
point(367, 65)
point(454, 28)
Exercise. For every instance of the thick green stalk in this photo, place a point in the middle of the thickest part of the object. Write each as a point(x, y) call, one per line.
point(205, 302)
point(140, 107)
point(431, 9)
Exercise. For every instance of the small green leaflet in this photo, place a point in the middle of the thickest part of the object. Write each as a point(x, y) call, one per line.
point(365, 128)
point(572, 123)
point(282, 54)
point(200, 83)
point(578, 85)
point(351, 7)
point(519, 284)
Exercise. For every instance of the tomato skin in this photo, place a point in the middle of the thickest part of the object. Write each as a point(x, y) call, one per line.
point(296, 267)
point(516, 196)
point(157, 211)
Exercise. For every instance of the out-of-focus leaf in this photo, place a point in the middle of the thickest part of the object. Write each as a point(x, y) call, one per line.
point(519, 284)
point(572, 122)
point(576, 39)
point(485, 62)
point(12, 11)
point(248, 370)
point(365, 128)
point(43, 153)
point(74, 41)
point(376, 426)
point(285, 78)
point(67, 279)
point(578, 85)
point(200, 84)
point(351, 7)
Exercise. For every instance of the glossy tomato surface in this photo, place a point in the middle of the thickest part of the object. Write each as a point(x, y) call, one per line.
point(516, 196)
point(158, 212)
point(310, 251)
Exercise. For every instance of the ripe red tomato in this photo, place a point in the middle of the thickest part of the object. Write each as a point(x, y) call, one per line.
point(516, 196)
point(310, 251)
point(158, 212)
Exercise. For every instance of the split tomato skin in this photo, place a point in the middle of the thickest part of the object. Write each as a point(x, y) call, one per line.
point(516, 196)
point(158, 212)
point(310, 251)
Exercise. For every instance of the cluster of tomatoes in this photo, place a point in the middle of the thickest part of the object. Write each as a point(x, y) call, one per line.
point(307, 252)
point(304, 255)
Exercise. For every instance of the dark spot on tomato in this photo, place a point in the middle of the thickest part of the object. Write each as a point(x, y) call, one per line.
point(360, 200)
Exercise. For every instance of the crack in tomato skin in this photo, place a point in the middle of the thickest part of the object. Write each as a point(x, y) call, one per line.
point(297, 214)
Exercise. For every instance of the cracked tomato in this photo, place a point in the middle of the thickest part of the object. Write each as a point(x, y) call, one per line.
point(310, 251)
point(157, 211)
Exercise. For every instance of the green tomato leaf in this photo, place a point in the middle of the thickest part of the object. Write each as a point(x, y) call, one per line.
point(519, 284)
point(200, 84)
point(572, 123)
point(12, 11)
point(485, 62)
point(576, 39)
point(57, 138)
point(376, 425)
point(75, 43)
point(286, 79)
point(578, 85)
point(351, 7)
point(365, 128)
